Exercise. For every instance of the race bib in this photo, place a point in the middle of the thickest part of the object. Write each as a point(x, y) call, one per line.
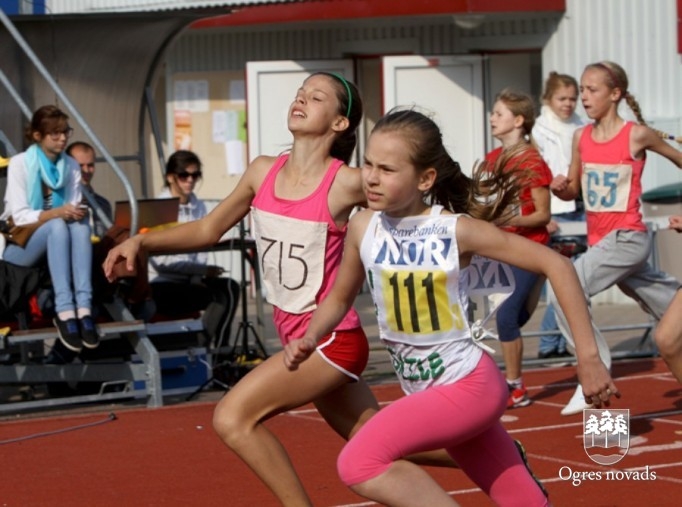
point(291, 254)
point(606, 187)
point(490, 284)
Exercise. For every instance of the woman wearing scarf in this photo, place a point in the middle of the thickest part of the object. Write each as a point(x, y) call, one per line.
point(43, 187)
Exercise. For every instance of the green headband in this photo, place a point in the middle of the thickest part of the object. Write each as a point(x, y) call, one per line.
point(350, 95)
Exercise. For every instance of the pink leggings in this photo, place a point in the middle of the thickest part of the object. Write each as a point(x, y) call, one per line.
point(462, 417)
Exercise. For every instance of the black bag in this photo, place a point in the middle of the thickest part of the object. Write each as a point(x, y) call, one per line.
point(17, 283)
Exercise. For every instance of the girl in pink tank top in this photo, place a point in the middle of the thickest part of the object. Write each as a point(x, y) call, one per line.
point(295, 283)
point(301, 203)
point(606, 166)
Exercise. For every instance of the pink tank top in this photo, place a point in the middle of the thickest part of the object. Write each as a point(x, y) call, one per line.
point(299, 249)
point(611, 182)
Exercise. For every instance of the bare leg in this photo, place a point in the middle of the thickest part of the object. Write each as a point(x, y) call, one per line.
point(668, 336)
point(404, 484)
point(266, 391)
point(271, 389)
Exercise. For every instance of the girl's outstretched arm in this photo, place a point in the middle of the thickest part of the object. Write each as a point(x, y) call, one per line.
point(482, 238)
point(334, 307)
point(197, 233)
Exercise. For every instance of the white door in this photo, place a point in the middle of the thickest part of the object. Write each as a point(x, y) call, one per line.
point(270, 89)
point(450, 89)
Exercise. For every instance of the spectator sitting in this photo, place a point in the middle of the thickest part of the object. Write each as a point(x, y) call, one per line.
point(43, 193)
point(84, 154)
point(185, 283)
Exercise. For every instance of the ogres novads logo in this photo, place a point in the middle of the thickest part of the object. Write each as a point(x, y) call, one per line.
point(606, 434)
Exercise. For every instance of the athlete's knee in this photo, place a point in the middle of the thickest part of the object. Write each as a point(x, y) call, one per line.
point(669, 341)
point(229, 423)
point(345, 467)
point(355, 466)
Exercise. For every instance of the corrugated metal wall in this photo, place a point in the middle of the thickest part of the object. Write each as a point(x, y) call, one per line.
point(640, 36)
point(89, 6)
point(231, 48)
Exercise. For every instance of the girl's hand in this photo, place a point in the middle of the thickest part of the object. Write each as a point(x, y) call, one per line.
point(597, 384)
point(552, 227)
point(125, 252)
point(676, 222)
point(297, 351)
point(71, 213)
point(559, 184)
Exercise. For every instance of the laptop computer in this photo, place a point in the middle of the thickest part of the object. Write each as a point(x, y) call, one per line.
point(150, 212)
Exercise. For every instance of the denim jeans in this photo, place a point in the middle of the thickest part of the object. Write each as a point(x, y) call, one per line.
point(550, 342)
point(556, 342)
point(69, 260)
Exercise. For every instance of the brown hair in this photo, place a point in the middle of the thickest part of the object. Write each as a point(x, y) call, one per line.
point(350, 106)
point(180, 161)
point(617, 78)
point(487, 195)
point(46, 119)
point(555, 81)
point(520, 104)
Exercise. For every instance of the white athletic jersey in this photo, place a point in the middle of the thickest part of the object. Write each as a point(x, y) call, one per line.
point(421, 297)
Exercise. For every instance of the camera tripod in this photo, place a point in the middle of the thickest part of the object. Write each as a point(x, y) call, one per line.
point(233, 361)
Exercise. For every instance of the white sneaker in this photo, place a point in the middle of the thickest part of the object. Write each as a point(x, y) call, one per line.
point(577, 403)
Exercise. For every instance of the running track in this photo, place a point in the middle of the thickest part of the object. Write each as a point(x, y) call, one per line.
point(171, 457)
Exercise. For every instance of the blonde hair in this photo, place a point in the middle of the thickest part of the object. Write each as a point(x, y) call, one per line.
point(617, 78)
point(555, 81)
point(520, 104)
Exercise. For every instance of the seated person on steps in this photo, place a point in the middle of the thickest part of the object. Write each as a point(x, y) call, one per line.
point(185, 283)
point(43, 190)
point(84, 154)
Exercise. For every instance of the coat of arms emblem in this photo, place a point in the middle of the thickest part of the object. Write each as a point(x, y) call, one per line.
point(606, 434)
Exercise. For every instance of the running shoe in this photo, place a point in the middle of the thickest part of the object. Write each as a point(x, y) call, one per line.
point(522, 452)
point(576, 404)
point(518, 397)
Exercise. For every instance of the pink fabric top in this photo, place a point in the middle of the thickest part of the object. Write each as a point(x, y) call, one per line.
point(611, 182)
point(313, 209)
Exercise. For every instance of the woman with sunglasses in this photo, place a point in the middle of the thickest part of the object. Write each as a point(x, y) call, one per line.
point(185, 283)
point(43, 188)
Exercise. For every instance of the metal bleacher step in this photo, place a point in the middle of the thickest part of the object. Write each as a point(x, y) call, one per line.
point(106, 329)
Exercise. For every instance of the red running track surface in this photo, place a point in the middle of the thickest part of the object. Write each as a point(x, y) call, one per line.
point(171, 457)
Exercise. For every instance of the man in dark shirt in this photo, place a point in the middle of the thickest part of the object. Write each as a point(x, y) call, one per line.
point(85, 156)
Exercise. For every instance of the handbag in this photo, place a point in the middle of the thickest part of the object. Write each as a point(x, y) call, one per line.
point(18, 234)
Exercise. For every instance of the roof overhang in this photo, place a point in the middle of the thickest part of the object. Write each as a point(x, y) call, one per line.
point(333, 10)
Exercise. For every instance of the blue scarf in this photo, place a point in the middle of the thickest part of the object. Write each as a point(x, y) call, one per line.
point(42, 169)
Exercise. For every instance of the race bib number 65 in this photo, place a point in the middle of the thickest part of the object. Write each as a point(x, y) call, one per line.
point(606, 187)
